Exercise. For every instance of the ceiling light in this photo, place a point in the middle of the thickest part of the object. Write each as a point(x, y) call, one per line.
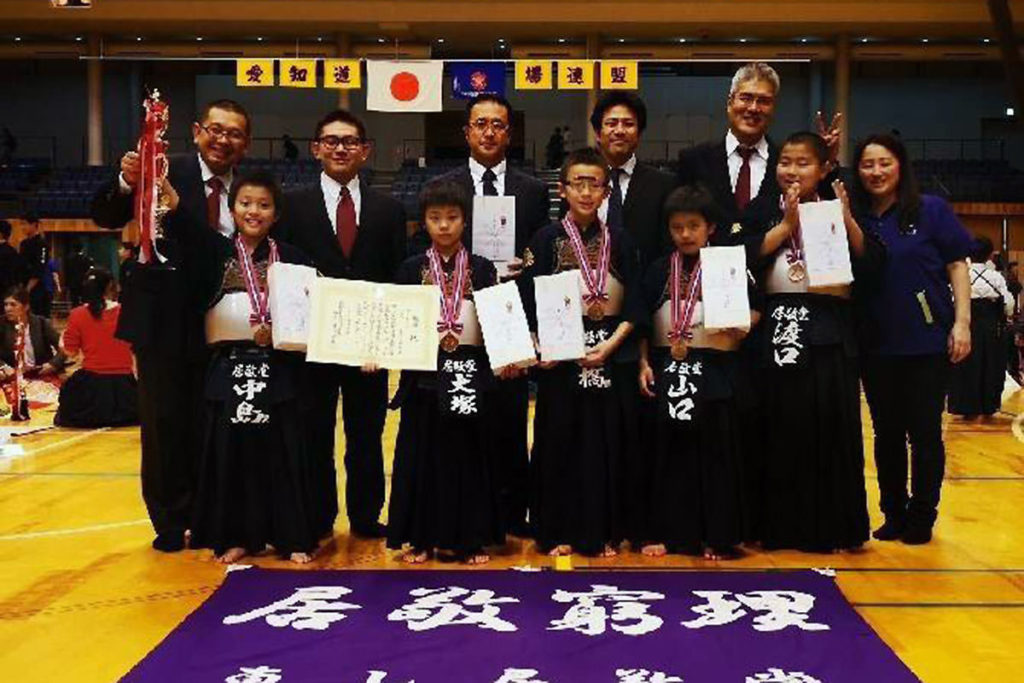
point(199, 39)
point(138, 39)
point(440, 40)
point(382, 40)
point(743, 40)
point(1010, 111)
point(78, 39)
point(259, 39)
point(622, 40)
point(17, 39)
point(561, 40)
point(924, 40)
point(986, 40)
point(682, 40)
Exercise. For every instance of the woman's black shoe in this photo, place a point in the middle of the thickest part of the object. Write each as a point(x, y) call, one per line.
point(892, 530)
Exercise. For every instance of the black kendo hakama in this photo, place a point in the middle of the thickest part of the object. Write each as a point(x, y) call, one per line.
point(583, 418)
point(255, 480)
point(442, 491)
point(692, 429)
point(813, 493)
point(976, 383)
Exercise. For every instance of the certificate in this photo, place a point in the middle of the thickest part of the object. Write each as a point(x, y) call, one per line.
point(354, 323)
point(289, 286)
point(723, 281)
point(559, 316)
point(503, 321)
point(826, 249)
point(494, 230)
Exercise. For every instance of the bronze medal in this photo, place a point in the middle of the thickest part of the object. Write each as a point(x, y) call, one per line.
point(679, 350)
point(596, 311)
point(263, 336)
point(797, 272)
point(449, 342)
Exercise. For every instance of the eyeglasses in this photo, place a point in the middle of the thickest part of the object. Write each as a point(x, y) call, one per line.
point(481, 125)
point(615, 123)
point(231, 134)
point(747, 99)
point(332, 142)
point(587, 184)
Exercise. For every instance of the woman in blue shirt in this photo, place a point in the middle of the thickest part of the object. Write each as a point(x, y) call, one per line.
point(914, 329)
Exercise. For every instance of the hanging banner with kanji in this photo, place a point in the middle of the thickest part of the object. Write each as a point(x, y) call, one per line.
point(620, 75)
point(345, 74)
point(533, 75)
point(298, 73)
point(254, 73)
point(390, 626)
point(575, 74)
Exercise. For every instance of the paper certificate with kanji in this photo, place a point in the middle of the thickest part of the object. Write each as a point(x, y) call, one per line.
point(494, 230)
point(826, 249)
point(355, 323)
point(560, 316)
point(723, 281)
point(503, 322)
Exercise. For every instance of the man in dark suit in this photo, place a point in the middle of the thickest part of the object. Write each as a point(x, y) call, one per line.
point(638, 191)
point(12, 268)
point(351, 231)
point(487, 173)
point(162, 309)
point(35, 255)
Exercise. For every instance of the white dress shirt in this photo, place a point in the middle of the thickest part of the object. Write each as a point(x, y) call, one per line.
point(624, 178)
point(476, 171)
point(332, 195)
point(989, 283)
point(758, 162)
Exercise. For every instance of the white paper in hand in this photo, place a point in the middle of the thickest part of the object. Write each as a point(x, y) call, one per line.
point(559, 316)
point(289, 286)
point(494, 230)
point(503, 322)
point(723, 281)
point(826, 249)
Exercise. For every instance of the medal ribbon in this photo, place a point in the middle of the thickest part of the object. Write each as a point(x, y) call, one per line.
point(681, 323)
point(451, 304)
point(795, 243)
point(21, 332)
point(595, 281)
point(258, 298)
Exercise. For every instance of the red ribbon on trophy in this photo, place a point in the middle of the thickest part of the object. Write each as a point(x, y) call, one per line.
point(15, 391)
point(152, 149)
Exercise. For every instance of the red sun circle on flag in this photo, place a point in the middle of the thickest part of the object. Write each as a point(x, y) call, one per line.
point(405, 87)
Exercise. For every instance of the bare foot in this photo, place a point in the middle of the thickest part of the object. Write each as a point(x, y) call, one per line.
point(608, 552)
point(414, 557)
point(654, 550)
point(231, 555)
point(479, 558)
point(300, 558)
point(560, 550)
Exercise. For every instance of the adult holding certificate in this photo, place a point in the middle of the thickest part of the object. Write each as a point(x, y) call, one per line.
point(495, 187)
point(579, 430)
point(917, 330)
point(350, 231)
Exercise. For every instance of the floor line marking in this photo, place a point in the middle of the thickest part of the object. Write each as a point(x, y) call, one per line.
point(69, 532)
point(68, 441)
point(76, 474)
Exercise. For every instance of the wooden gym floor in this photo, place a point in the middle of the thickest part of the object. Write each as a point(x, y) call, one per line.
point(83, 597)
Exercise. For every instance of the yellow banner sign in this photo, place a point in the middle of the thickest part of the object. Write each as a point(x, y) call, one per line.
point(619, 75)
point(254, 73)
point(345, 74)
point(298, 73)
point(533, 75)
point(575, 74)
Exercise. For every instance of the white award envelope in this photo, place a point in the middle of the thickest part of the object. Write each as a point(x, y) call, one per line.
point(494, 230)
point(559, 316)
point(354, 323)
point(289, 286)
point(723, 281)
point(826, 249)
point(503, 321)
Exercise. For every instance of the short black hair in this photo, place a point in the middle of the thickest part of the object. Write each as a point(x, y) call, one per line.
point(5, 229)
point(982, 250)
point(585, 156)
point(344, 116)
point(443, 193)
point(19, 293)
point(813, 141)
point(692, 199)
point(489, 97)
point(226, 105)
point(258, 179)
point(615, 98)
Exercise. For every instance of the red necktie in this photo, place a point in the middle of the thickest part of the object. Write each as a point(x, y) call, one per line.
point(743, 179)
point(345, 222)
point(213, 202)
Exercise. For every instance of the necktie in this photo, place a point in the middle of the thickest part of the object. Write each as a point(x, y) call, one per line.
point(345, 221)
point(213, 202)
point(490, 189)
point(743, 179)
point(614, 219)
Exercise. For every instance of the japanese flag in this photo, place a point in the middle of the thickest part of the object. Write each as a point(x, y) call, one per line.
point(403, 86)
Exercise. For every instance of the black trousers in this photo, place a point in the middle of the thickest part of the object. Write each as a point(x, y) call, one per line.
point(511, 459)
point(364, 410)
point(906, 396)
point(170, 413)
point(40, 300)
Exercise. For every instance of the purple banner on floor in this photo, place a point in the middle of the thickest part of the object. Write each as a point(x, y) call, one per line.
point(271, 626)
